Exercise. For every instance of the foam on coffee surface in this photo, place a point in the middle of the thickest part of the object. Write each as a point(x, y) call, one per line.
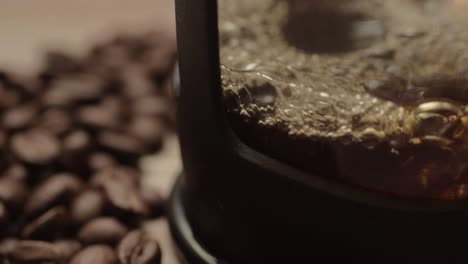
point(387, 76)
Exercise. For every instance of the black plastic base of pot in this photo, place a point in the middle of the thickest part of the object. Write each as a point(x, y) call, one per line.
point(190, 251)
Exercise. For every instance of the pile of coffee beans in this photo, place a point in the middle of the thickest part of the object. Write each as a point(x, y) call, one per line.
point(70, 140)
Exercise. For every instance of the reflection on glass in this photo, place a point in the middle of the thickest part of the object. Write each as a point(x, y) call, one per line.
point(372, 93)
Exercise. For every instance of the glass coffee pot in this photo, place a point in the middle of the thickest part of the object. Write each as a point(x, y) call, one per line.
point(322, 129)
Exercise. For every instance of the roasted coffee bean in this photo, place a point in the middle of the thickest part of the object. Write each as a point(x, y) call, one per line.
point(136, 82)
point(168, 90)
point(109, 57)
point(156, 69)
point(47, 225)
point(128, 244)
point(55, 121)
point(58, 189)
point(136, 247)
point(67, 91)
point(3, 214)
point(28, 251)
point(27, 85)
point(67, 248)
point(3, 138)
point(15, 172)
point(114, 103)
point(75, 150)
point(87, 205)
point(36, 146)
point(123, 174)
point(76, 141)
point(12, 192)
point(124, 144)
point(121, 188)
point(161, 58)
point(98, 117)
point(135, 47)
point(105, 230)
point(125, 41)
point(154, 200)
point(76, 145)
point(149, 129)
point(19, 117)
point(58, 63)
point(99, 254)
point(8, 97)
point(100, 160)
point(6, 247)
point(148, 252)
point(152, 106)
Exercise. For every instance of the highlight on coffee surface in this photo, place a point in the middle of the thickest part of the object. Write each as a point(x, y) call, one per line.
point(371, 93)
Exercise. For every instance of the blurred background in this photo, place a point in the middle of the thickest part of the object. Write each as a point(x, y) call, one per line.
point(29, 27)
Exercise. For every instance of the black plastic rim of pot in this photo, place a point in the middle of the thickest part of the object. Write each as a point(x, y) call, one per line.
point(189, 249)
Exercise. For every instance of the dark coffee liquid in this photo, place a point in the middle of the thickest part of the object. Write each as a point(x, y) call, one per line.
point(372, 93)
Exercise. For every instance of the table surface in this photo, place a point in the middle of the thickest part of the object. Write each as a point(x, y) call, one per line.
point(27, 28)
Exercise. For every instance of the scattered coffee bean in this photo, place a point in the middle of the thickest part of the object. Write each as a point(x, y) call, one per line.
point(122, 190)
point(55, 121)
point(136, 247)
point(57, 62)
point(3, 214)
point(46, 225)
point(16, 172)
point(123, 174)
point(13, 193)
point(19, 117)
point(26, 84)
point(6, 247)
point(67, 248)
point(98, 117)
point(28, 251)
point(114, 104)
point(128, 244)
point(87, 206)
point(149, 129)
point(36, 147)
point(8, 97)
point(76, 145)
point(95, 254)
point(154, 200)
point(152, 106)
point(3, 138)
point(55, 190)
point(100, 160)
point(76, 141)
point(66, 91)
point(111, 57)
point(102, 230)
point(136, 85)
point(160, 60)
point(122, 143)
point(148, 252)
